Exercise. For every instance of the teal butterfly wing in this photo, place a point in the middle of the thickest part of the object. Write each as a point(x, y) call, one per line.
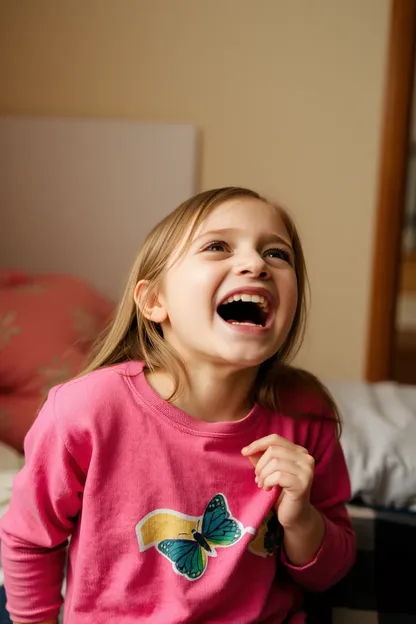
point(187, 557)
point(218, 526)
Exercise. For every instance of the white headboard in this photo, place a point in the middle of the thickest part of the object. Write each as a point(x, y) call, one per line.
point(79, 195)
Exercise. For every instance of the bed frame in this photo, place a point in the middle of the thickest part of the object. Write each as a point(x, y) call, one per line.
point(79, 195)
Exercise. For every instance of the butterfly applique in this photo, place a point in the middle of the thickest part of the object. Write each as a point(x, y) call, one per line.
point(274, 534)
point(269, 538)
point(196, 538)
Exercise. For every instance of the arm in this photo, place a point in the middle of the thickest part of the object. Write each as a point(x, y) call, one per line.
point(46, 499)
point(318, 543)
point(303, 540)
point(321, 550)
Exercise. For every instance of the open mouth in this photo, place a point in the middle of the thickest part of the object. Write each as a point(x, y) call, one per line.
point(245, 309)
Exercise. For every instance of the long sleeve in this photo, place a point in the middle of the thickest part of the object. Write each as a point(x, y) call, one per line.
point(45, 501)
point(330, 492)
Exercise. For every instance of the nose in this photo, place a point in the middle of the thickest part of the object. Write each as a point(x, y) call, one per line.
point(252, 265)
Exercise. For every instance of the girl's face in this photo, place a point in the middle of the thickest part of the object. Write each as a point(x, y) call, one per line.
point(231, 297)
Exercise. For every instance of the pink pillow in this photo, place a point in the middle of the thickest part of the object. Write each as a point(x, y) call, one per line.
point(47, 326)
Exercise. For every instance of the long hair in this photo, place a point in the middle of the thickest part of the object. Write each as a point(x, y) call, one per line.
point(131, 336)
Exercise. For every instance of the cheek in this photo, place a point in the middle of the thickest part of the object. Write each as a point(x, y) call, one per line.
point(198, 283)
point(188, 291)
point(289, 291)
point(288, 303)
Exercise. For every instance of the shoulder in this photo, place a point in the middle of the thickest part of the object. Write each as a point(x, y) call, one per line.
point(301, 393)
point(98, 384)
point(308, 404)
point(84, 406)
point(94, 390)
point(89, 410)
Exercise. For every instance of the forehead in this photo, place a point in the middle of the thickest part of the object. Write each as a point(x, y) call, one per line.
point(244, 214)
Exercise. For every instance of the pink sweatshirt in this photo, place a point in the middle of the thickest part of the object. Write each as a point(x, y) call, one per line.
point(167, 522)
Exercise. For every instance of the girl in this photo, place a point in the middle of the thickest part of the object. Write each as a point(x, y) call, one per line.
point(199, 476)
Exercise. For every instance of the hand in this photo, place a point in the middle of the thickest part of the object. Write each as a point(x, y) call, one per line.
point(281, 464)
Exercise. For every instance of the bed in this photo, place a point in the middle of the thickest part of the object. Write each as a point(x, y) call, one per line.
point(380, 588)
point(10, 463)
point(379, 443)
point(75, 190)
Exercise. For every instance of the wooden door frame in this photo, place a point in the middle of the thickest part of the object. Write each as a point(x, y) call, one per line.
point(391, 189)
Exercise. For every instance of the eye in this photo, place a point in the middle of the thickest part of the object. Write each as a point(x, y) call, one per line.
point(279, 254)
point(218, 246)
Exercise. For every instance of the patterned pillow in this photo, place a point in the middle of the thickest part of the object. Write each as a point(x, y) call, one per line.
point(47, 326)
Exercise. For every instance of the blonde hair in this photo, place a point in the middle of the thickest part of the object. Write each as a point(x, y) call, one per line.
point(131, 336)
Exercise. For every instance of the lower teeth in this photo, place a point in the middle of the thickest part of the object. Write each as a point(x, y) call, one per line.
point(249, 324)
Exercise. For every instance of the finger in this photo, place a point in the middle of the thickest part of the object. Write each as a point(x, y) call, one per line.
point(255, 458)
point(279, 498)
point(278, 465)
point(264, 459)
point(280, 452)
point(278, 491)
point(263, 444)
point(283, 480)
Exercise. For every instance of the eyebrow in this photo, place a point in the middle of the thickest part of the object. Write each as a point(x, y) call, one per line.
point(270, 238)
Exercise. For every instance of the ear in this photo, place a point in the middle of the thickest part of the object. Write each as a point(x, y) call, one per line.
point(149, 302)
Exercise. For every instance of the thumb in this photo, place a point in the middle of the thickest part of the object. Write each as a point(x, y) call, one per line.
point(279, 498)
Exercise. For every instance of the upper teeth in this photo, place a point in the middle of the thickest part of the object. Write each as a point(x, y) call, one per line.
point(262, 301)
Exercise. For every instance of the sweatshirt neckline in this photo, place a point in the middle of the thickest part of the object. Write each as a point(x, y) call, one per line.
point(144, 392)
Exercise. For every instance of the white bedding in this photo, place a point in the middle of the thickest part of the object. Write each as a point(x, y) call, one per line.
point(10, 464)
point(379, 441)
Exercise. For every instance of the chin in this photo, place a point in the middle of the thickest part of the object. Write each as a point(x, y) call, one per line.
point(248, 361)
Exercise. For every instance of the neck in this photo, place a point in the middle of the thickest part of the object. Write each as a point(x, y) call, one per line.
point(213, 394)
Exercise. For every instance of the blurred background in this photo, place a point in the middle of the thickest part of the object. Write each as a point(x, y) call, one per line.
point(112, 112)
point(286, 97)
point(403, 367)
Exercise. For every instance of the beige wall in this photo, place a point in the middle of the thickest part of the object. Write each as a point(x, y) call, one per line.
point(287, 95)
